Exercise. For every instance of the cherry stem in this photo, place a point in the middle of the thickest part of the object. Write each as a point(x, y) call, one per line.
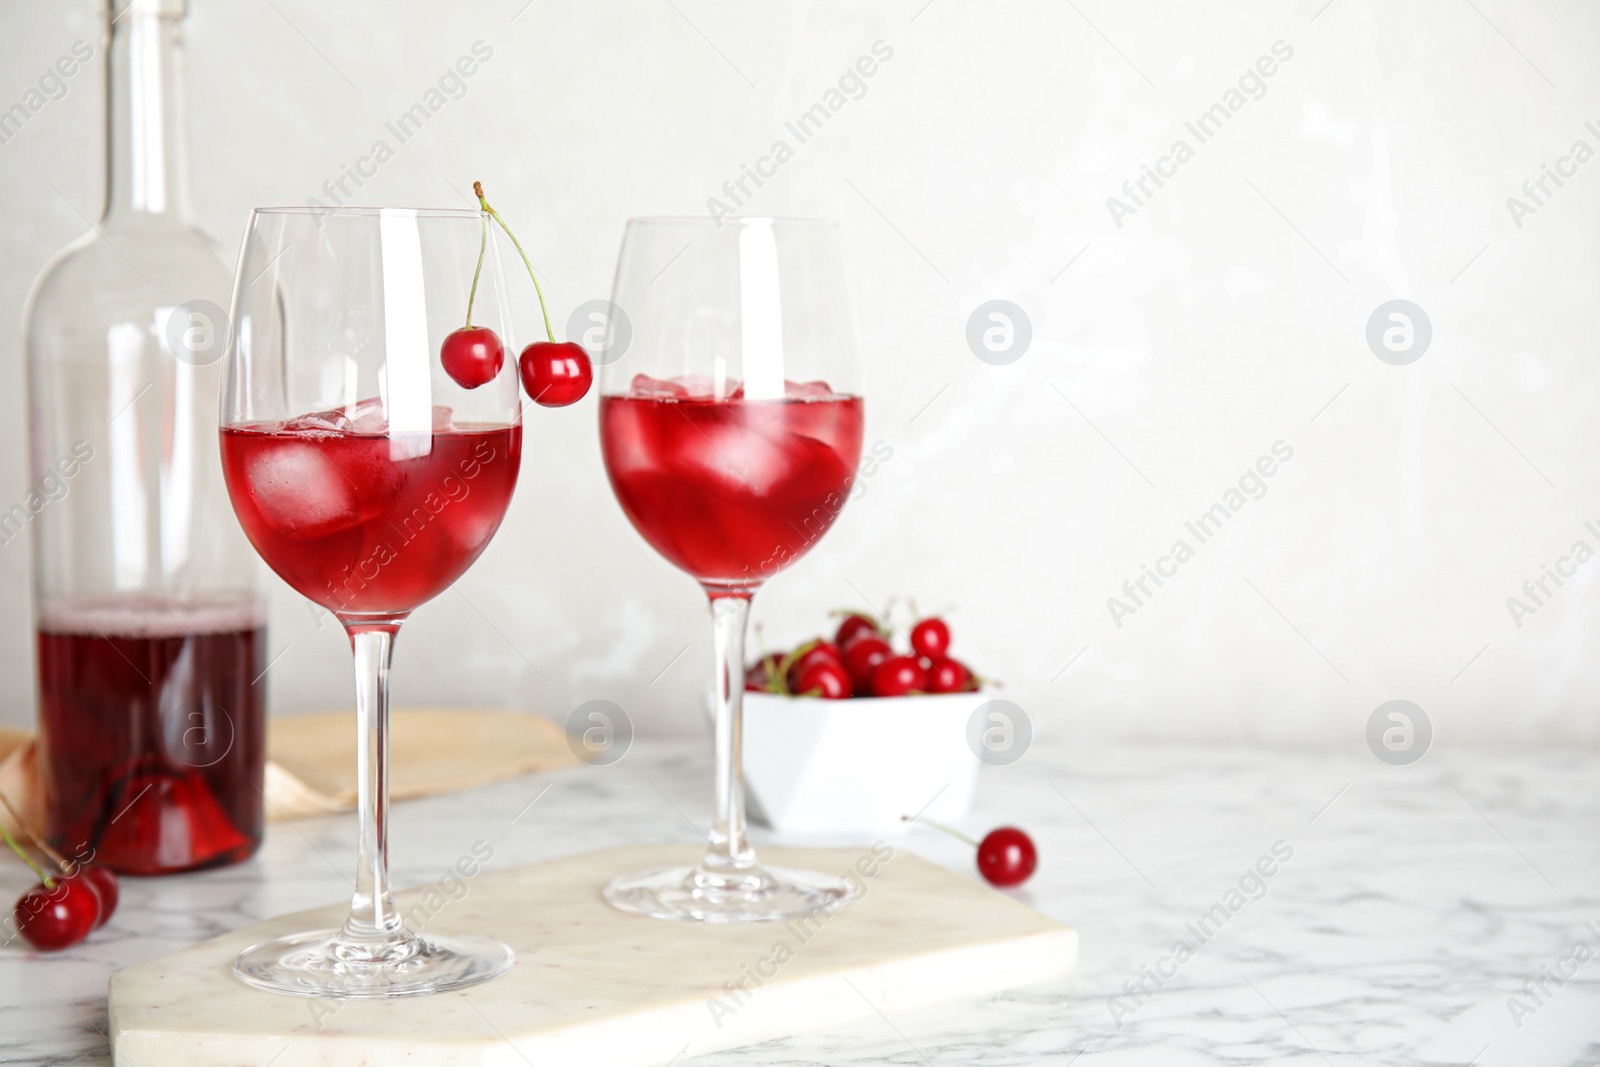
point(477, 187)
point(49, 883)
point(40, 843)
point(845, 613)
point(778, 676)
point(483, 243)
point(957, 834)
point(775, 681)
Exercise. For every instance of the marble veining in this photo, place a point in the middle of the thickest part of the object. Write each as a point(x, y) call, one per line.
point(1423, 915)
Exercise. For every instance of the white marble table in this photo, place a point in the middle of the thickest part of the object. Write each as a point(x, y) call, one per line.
point(1414, 904)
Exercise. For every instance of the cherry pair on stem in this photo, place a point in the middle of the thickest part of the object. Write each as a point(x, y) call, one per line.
point(554, 373)
point(67, 904)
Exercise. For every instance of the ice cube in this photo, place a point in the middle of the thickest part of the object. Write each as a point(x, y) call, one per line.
point(684, 387)
point(368, 416)
point(299, 491)
point(700, 387)
point(807, 390)
point(648, 388)
point(744, 451)
point(323, 421)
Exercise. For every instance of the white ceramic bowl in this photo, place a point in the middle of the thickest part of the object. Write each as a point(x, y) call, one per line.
point(824, 767)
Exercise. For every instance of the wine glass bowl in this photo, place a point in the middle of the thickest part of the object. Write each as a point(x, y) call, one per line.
point(356, 530)
point(769, 478)
point(731, 438)
point(369, 480)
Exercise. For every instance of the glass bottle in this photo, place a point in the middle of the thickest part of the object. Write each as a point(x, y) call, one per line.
point(149, 618)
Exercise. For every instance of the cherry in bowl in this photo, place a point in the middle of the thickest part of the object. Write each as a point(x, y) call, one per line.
point(930, 638)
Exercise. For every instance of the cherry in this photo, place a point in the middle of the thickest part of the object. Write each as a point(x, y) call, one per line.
point(472, 355)
point(755, 678)
point(818, 651)
point(57, 916)
point(897, 676)
point(1006, 857)
point(104, 881)
point(825, 678)
point(863, 656)
point(855, 626)
point(950, 676)
point(555, 373)
point(60, 910)
point(931, 638)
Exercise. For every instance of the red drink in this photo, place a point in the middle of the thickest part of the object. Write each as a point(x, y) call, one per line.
point(151, 732)
point(731, 490)
point(369, 523)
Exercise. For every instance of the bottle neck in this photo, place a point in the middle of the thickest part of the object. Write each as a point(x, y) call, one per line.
point(147, 151)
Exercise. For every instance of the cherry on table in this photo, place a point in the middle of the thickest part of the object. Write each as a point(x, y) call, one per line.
point(1006, 857)
point(897, 676)
point(59, 916)
point(555, 373)
point(931, 638)
point(472, 355)
point(104, 881)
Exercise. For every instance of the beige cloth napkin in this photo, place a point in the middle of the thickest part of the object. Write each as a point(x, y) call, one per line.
point(311, 759)
point(19, 781)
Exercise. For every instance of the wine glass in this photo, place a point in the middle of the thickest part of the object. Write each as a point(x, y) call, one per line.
point(731, 438)
point(369, 480)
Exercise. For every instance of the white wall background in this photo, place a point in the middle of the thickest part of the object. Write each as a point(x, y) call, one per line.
point(1168, 354)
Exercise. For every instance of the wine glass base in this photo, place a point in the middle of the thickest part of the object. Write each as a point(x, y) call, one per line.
point(756, 894)
point(311, 965)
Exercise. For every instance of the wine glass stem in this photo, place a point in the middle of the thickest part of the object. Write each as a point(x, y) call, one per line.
point(374, 930)
point(730, 852)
